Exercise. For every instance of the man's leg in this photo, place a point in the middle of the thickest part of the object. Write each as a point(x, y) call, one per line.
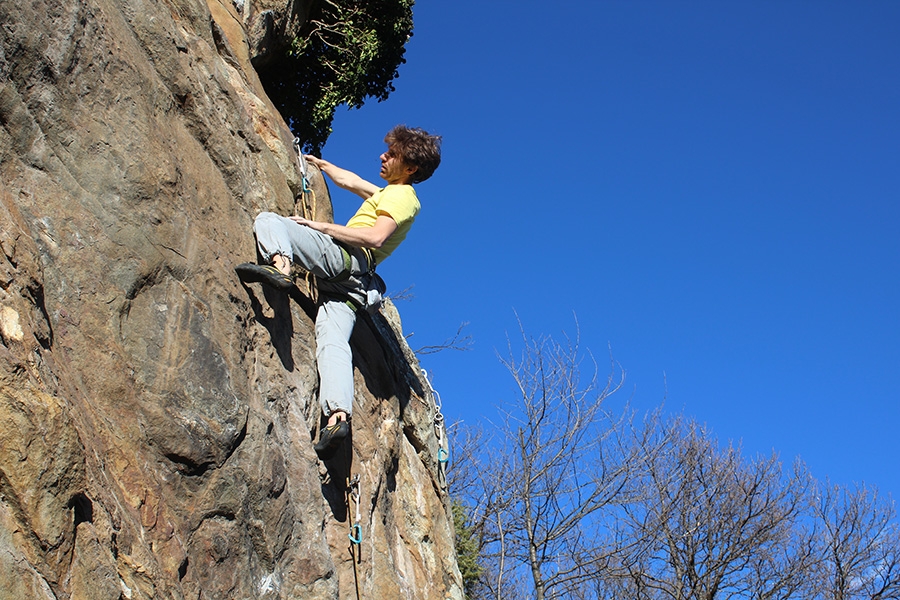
point(334, 325)
point(281, 240)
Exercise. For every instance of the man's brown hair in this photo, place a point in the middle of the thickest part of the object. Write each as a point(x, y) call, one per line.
point(416, 148)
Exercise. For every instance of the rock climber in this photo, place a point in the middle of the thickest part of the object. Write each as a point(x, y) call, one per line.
point(343, 258)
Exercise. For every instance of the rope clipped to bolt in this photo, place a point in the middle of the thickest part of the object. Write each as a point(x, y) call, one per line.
point(440, 430)
point(307, 201)
point(355, 534)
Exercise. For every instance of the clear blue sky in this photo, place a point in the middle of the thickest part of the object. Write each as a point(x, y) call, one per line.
point(710, 188)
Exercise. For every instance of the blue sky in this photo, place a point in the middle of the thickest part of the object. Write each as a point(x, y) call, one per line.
point(709, 188)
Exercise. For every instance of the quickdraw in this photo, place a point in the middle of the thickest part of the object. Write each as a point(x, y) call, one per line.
point(355, 534)
point(440, 430)
point(304, 168)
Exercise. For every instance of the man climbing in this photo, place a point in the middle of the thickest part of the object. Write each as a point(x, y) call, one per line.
point(343, 258)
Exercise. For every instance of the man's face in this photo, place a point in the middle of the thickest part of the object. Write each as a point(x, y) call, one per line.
point(393, 169)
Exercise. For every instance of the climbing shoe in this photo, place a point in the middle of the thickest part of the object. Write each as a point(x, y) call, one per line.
point(252, 273)
point(330, 438)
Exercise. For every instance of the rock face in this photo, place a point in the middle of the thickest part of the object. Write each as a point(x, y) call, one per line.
point(156, 415)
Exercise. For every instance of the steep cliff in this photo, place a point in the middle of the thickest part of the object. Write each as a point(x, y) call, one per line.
point(156, 415)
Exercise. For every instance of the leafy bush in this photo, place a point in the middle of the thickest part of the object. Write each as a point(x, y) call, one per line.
point(348, 51)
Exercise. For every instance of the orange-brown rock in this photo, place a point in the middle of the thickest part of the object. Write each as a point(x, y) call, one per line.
point(156, 415)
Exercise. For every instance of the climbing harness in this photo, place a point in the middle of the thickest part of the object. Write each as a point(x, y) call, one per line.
point(355, 534)
point(348, 263)
point(440, 430)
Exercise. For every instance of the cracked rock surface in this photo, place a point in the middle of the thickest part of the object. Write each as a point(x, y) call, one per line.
point(156, 415)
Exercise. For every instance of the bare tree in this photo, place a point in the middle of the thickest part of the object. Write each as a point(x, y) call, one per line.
point(712, 525)
point(859, 545)
point(571, 499)
point(556, 464)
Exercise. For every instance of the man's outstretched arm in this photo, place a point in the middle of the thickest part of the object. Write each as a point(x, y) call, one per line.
point(362, 237)
point(343, 178)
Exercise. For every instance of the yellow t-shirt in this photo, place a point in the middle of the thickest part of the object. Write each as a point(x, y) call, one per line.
point(396, 201)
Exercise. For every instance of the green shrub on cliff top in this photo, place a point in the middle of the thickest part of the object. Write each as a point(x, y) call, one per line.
point(348, 51)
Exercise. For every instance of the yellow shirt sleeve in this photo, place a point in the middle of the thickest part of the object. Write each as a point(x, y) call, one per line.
point(398, 201)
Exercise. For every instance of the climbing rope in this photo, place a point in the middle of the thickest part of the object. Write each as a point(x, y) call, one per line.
point(440, 430)
point(355, 534)
point(307, 201)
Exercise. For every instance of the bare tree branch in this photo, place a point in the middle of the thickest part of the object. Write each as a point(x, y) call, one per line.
point(458, 342)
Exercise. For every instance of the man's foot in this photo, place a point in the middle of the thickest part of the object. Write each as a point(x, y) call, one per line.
point(267, 274)
point(330, 438)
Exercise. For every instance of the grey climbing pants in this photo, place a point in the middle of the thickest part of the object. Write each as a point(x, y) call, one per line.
point(321, 255)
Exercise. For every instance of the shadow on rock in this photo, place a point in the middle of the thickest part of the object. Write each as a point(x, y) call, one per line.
point(335, 487)
point(390, 373)
point(281, 325)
